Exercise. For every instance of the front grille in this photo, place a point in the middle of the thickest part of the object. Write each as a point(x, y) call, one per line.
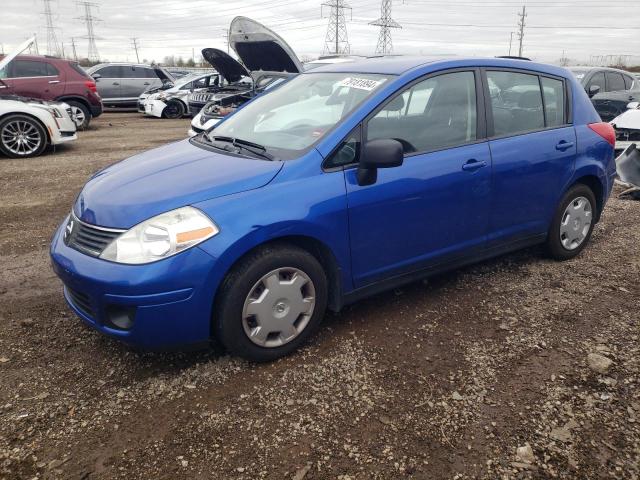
point(627, 135)
point(86, 238)
point(81, 301)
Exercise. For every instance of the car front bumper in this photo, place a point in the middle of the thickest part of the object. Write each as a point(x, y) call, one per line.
point(154, 107)
point(168, 303)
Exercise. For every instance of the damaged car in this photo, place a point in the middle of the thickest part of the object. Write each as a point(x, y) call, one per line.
point(171, 102)
point(627, 127)
point(266, 59)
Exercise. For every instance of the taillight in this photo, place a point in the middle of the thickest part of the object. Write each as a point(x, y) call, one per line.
point(91, 85)
point(606, 131)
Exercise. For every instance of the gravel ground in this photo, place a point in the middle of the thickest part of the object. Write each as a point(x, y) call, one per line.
point(518, 367)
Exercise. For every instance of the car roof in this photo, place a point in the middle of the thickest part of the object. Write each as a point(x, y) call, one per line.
point(398, 65)
point(47, 58)
point(590, 68)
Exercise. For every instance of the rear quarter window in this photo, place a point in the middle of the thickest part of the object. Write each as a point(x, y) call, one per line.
point(78, 69)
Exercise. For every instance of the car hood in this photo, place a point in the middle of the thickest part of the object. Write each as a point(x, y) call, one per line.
point(164, 75)
point(166, 178)
point(629, 120)
point(227, 66)
point(14, 53)
point(260, 48)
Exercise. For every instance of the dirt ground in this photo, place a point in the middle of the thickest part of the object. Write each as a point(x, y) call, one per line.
point(441, 379)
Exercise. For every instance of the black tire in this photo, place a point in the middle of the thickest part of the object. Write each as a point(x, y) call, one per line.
point(86, 113)
point(174, 109)
point(227, 321)
point(6, 125)
point(554, 245)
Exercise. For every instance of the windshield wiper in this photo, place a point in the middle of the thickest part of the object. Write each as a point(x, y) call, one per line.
point(254, 148)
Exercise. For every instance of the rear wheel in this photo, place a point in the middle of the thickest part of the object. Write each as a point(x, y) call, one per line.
point(572, 224)
point(22, 136)
point(271, 303)
point(80, 114)
point(174, 109)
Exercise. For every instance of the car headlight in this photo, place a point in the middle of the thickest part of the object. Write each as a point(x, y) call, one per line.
point(161, 96)
point(161, 237)
point(52, 110)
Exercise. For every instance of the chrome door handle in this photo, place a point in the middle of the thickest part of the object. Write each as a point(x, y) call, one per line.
point(54, 81)
point(3, 86)
point(116, 83)
point(147, 83)
point(473, 165)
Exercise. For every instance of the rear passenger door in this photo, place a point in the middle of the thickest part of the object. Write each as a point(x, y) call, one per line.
point(533, 149)
point(136, 80)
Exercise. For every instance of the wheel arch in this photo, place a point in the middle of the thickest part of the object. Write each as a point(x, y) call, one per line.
point(66, 98)
point(320, 251)
point(595, 185)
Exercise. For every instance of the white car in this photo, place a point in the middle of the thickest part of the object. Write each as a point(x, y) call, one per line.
point(29, 125)
point(172, 102)
point(627, 127)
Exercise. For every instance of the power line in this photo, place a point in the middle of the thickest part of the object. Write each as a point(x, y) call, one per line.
point(88, 19)
point(521, 24)
point(134, 40)
point(336, 40)
point(53, 47)
point(386, 23)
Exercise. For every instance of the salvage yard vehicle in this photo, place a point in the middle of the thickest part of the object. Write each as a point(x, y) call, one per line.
point(265, 57)
point(29, 125)
point(600, 83)
point(345, 181)
point(120, 84)
point(627, 127)
point(51, 79)
point(612, 104)
point(172, 102)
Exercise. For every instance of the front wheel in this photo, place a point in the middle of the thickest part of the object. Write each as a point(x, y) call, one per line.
point(572, 224)
point(22, 136)
point(271, 303)
point(173, 110)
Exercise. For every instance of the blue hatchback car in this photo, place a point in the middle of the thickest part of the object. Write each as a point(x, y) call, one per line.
point(345, 181)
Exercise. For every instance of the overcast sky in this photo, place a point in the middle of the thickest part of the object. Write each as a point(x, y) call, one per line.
point(456, 27)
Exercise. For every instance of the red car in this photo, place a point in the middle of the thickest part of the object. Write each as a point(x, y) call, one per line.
point(50, 78)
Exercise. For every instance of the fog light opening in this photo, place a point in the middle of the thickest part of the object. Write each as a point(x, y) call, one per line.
point(120, 317)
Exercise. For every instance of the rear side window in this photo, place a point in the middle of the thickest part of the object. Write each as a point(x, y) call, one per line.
point(29, 68)
point(51, 70)
point(112, 71)
point(439, 112)
point(516, 103)
point(628, 82)
point(597, 79)
point(615, 82)
point(133, 72)
point(553, 93)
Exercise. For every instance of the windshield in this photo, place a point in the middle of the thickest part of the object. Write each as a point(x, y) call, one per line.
point(294, 116)
point(579, 73)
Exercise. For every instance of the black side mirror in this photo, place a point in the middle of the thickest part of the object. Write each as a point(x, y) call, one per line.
point(96, 76)
point(593, 90)
point(383, 153)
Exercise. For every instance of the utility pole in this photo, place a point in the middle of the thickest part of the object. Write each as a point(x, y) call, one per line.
point(53, 48)
point(386, 23)
point(135, 47)
point(89, 19)
point(336, 40)
point(35, 44)
point(510, 42)
point(521, 24)
point(73, 47)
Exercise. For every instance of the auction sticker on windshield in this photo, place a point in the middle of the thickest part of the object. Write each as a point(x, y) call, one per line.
point(361, 83)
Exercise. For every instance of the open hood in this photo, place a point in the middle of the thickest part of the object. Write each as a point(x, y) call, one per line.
point(259, 48)
point(164, 75)
point(230, 69)
point(13, 54)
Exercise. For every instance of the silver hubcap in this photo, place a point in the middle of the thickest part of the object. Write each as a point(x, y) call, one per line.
point(278, 307)
point(576, 223)
point(21, 137)
point(78, 116)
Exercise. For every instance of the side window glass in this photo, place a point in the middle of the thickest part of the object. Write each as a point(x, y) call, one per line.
point(437, 113)
point(554, 103)
point(347, 153)
point(29, 68)
point(187, 86)
point(628, 82)
point(51, 70)
point(517, 103)
point(150, 73)
point(135, 72)
point(111, 72)
point(597, 79)
point(3, 72)
point(615, 82)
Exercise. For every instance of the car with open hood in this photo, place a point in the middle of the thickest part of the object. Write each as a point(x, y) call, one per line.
point(51, 79)
point(120, 84)
point(342, 182)
point(171, 102)
point(265, 58)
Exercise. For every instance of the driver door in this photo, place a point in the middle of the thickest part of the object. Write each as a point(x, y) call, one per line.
point(435, 207)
